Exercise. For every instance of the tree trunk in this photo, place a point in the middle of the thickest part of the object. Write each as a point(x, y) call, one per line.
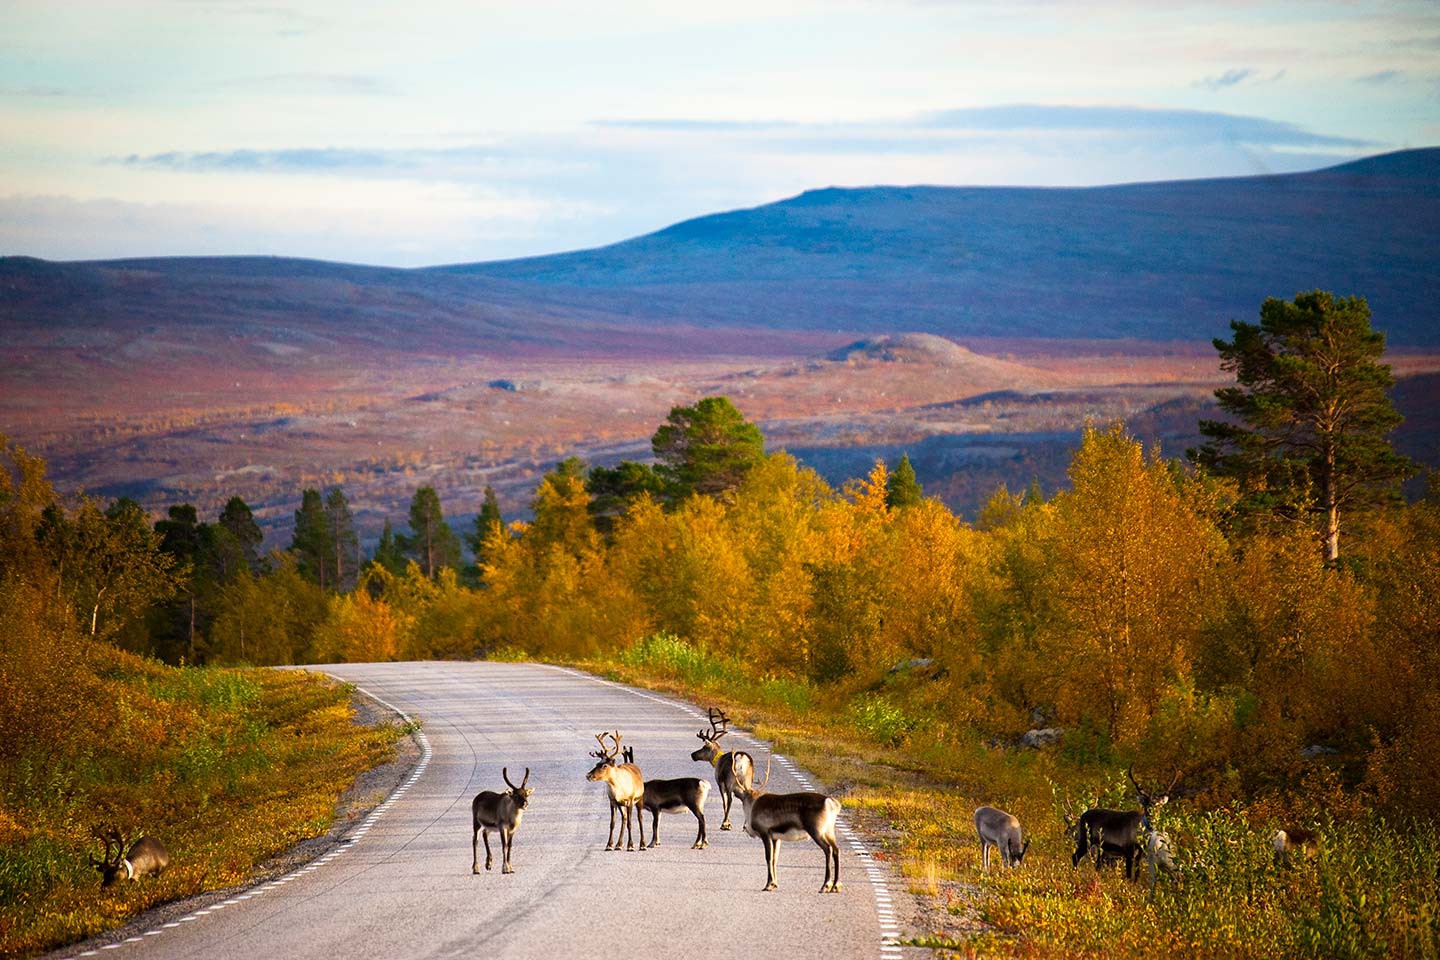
point(1330, 504)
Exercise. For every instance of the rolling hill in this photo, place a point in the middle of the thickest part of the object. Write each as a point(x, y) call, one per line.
point(1153, 261)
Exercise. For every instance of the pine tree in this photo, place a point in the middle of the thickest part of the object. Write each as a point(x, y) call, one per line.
point(340, 528)
point(902, 489)
point(311, 543)
point(237, 518)
point(431, 542)
point(706, 449)
point(613, 489)
point(1310, 413)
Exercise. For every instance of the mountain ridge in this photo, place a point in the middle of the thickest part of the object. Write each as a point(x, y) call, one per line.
point(1165, 260)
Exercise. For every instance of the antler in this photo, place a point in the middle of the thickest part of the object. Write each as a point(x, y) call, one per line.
point(761, 785)
point(604, 753)
point(525, 779)
point(616, 737)
point(109, 835)
point(505, 772)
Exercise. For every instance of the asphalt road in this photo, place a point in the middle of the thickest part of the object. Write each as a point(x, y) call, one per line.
point(401, 885)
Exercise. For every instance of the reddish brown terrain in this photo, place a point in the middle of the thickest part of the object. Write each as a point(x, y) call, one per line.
point(166, 420)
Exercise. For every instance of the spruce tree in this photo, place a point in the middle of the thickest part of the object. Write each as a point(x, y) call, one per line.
point(901, 488)
point(485, 521)
point(1310, 412)
point(389, 554)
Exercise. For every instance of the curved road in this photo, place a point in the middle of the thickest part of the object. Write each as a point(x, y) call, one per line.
point(401, 886)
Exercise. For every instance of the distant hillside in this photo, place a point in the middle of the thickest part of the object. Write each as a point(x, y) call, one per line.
point(1156, 261)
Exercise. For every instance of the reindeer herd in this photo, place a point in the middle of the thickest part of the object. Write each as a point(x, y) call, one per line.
point(769, 817)
point(1104, 835)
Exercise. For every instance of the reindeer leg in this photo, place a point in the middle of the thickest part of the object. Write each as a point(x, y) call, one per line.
point(725, 799)
point(835, 852)
point(654, 827)
point(507, 843)
point(770, 845)
point(608, 844)
point(640, 818)
point(700, 843)
point(475, 850)
point(628, 826)
point(485, 835)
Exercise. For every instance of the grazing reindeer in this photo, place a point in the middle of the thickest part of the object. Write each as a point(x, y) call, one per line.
point(1294, 840)
point(500, 812)
point(146, 856)
point(626, 787)
point(672, 796)
point(792, 816)
point(734, 770)
point(1000, 830)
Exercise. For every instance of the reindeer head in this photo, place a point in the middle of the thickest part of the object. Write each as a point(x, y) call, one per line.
point(112, 866)
point(709, 741)
point(520, 794)
point(605, 755)
point(1018, 855)
point(1150, 802)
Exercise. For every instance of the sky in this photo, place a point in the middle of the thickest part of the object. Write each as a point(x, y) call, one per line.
point(444, 132)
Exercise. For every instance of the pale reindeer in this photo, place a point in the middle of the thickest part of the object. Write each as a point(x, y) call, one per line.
point(499, 811)
point(1291, 842)
point(145, 857)
point(734, 770)
point(626, 788)
point(773, 817)
point(1000, 830)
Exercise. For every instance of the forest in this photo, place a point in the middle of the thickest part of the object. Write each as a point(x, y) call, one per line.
point(1260, 618)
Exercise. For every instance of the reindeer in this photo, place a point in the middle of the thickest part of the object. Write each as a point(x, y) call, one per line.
point(1000, 830)
point(146, 857)
point(773, 817)
point(500, 812)
point(672, 796)
point(626, 788)
point(734, 770)
point(1117, 833)
point(1158, 856)
point(1294, 840)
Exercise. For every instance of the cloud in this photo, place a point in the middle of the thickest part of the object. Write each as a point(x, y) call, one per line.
point(1382, 78)
point(310, 84)
point(934, 131)
point(1229, 78)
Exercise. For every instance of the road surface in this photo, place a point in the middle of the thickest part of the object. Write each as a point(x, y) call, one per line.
point(401, 885)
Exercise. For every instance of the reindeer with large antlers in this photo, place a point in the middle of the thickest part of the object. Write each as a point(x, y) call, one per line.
point(773, 817)
point(1118, 833)
point(499, 811)
point(626, 787)
point(734, 770)
point(146, 856)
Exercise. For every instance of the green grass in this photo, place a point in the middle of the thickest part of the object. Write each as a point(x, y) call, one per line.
point(226, 767)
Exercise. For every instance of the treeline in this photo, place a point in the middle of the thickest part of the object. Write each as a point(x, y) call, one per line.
point(1201, 615)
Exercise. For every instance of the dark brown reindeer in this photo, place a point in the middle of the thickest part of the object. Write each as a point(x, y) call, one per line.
point(499, 811)
point(145, 857)
point(672, 796)
point(734, 770)
point(626, 787)
point(773, 817)
point(1118, 834)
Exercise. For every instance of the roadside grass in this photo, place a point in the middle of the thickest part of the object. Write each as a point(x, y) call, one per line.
point(1373, 890)
point(226, 767)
